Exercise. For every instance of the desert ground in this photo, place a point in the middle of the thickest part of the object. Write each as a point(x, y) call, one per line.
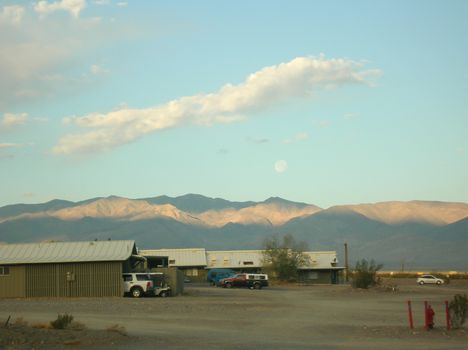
point(278, 317)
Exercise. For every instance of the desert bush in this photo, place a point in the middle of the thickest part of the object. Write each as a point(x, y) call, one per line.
point(41, 325)
point(458, 307)
point(282, 258)
point(118, 329)
point(365, 274)
point(62, 321)
point(77, 326)
point(21, 322)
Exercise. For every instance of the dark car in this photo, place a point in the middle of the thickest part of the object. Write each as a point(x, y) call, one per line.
point(215, 275)
point(249, 280)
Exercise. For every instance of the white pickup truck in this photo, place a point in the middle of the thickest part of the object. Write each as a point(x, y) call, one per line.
point(138, 284)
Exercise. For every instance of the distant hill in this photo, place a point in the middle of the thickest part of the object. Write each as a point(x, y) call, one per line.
point(415, 235)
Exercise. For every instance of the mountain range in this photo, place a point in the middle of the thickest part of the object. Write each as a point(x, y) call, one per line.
point(402, 235)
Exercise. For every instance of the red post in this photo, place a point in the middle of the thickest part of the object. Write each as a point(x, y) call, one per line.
point(410, 315)
point(426, 321)
point(447, 314)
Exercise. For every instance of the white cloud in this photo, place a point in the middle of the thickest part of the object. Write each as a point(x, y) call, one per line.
point(350, 116)
point(122, 4)
point(11, 14)
point(232, 103)
point(98, 70)
point(301, 136)
point(281, 166)
point(101, 2)
point(11, 120)
point(8, 145)
point(74, 7)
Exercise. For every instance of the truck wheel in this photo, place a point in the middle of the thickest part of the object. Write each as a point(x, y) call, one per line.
point(257, 286)
point(421, 283)
point(163, 294)
point(136, 292)
point(438, 283)
point(228, 285)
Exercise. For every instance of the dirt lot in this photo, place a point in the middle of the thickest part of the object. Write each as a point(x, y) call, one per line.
point(294, 317)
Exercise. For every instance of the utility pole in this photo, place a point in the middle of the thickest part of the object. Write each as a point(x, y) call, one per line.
point(346, 261)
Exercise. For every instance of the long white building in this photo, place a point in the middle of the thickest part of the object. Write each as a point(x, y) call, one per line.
point(195, 262)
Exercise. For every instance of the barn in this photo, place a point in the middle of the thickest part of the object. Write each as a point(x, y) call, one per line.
point(66, 269)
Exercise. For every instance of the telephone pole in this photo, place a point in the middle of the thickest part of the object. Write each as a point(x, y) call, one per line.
point(346, 261)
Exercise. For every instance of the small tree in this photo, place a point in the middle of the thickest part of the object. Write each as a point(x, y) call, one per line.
point(284, 257)
point(364, 274)
point(458, 307)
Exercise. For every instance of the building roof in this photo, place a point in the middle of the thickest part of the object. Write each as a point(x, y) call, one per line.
point(180, 257)
point(66, 252)
point(192, 257)
point(321, 260)
point(234, 258)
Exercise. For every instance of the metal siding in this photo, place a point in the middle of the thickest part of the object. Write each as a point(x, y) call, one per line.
point(234, 258)
point(91, 280)
point(12, 285)
point(182, 257)
point(66, 252)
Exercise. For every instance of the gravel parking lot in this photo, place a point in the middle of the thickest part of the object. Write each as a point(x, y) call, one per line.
point(278, 317)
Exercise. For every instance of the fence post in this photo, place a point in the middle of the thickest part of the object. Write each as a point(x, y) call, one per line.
point(447, 314)
point(410, 315)
point(426, 321)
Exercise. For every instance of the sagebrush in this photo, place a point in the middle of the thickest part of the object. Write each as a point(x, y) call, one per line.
point(364, 274)
point(283, 257)
point(458, 308)
point(62, 321)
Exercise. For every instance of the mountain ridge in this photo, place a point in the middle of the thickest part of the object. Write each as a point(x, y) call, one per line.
point(390, 232)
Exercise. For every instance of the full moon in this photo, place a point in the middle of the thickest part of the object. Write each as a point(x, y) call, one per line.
point(281, 166)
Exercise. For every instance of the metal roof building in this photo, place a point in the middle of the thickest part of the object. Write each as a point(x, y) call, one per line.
point(60, 269)
point(190, 257)
point(234, 259)
point(322, 266)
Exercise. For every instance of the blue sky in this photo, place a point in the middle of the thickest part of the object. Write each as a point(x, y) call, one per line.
point(334, 102)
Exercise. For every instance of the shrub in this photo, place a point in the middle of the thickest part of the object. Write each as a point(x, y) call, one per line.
point(364, 274)
point(21, 322)
point(117, 329)
point(284, 257)
point(458, 307)
point(62, 321)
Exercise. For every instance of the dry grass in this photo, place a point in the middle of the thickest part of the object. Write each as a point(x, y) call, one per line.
point(117, 328)
point(20, 322)
point(77, 326)
point(41, 325)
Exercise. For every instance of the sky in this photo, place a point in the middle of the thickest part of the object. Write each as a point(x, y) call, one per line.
point(323, 102)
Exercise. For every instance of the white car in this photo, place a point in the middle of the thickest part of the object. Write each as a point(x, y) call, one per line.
point(429, 279)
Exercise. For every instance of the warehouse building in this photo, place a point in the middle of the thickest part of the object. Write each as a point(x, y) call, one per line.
point(196, 262)
point(66, 269)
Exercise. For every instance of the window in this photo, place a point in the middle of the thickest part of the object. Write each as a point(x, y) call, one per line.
point(143, 278)
point(127, 278)
point(172, 261)
point(191, 272)
point(4, 270)
point(248, 262)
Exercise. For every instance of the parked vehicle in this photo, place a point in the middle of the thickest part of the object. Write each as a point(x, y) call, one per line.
point(250, 280)
point(429, 279)
point(161, 288)
point(215, 275)
point(137, 284)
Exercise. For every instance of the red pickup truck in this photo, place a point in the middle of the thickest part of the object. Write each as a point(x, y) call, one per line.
point(250, 280)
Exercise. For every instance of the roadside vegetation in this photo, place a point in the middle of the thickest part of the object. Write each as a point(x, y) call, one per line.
point(458, 307)
point(282, 257)
point(364, 274)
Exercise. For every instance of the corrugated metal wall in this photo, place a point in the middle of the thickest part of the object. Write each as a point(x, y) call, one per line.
point(97, 279)
point(12, 285)
point(175, 278)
